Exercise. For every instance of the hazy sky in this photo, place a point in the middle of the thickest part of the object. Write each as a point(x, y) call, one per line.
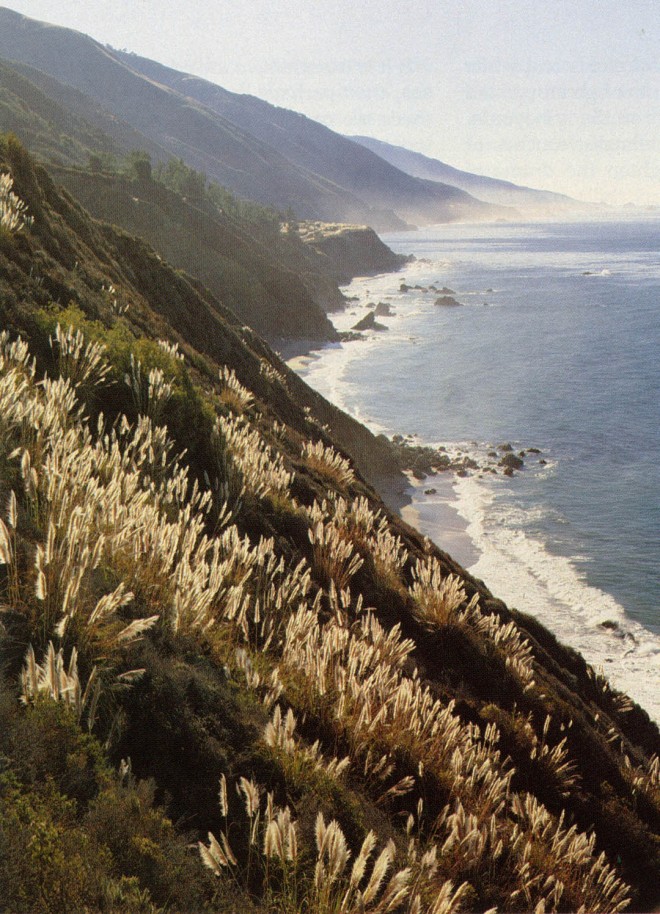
point(557, 94)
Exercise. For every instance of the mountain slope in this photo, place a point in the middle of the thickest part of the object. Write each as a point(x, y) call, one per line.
point(61, 123)
point(50, 130)
point(317, 148)
point(272, 626)
point(256, 150)
point(243, 272)
point(203, 139)
point(274, 282)
point(492, 190)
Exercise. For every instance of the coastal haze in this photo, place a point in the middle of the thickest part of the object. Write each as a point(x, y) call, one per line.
point(563, 97)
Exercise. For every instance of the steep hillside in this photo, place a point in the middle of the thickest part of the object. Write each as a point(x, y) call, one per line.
point(276, 276)
point(268, 154)
point(247, 274)
point(244, 258)
point(59, 123)
point(527, 200)
point(349, 250)
point(202, 138)
point(249, 615)
point(48, 129)
point(319, 149)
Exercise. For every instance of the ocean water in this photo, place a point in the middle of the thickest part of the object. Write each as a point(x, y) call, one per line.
point(556, 346)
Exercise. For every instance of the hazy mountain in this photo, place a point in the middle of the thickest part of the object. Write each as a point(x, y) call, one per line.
point(59, 123)
point(258, 151)
point(492, 190)
point(313, 146)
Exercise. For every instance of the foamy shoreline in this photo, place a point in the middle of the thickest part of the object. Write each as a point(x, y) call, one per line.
point(466, 517)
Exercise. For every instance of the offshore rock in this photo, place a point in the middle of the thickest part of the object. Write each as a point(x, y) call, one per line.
point(383, 310)
point(369, 322)
point(511, 462)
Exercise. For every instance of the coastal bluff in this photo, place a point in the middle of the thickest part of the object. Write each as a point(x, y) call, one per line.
point(350, 250)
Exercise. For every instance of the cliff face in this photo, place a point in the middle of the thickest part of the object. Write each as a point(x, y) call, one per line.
point(254, 615)
point(350, 250)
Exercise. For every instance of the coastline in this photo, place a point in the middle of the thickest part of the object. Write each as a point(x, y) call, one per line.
point(470, 515)
point(430, 505)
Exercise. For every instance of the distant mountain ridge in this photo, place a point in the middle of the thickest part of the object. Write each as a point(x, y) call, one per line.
point(258, 151)
point(490, 190)
point(313, 146)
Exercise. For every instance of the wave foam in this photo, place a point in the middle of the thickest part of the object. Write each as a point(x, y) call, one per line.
point(520, 570)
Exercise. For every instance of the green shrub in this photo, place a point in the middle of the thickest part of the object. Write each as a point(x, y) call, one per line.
point(48, 747)
point(144, 845)
point(48, 863)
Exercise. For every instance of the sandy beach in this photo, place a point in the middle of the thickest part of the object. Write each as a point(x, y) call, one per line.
point(429, 506)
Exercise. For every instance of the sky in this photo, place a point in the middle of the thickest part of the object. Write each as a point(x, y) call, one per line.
point(562, 95)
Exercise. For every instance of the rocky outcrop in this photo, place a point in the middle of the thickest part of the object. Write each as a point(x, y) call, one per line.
point(350, 250)
point(369, 322)
point(382, 309)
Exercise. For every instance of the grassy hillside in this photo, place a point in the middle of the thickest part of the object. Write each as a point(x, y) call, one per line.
point(243, 264)
point(48, 129)
point(231, 680)
point(59, 123)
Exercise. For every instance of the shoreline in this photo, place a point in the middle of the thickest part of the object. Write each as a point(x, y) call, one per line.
point(432, 509)
point(429, 504)
point(452, 501)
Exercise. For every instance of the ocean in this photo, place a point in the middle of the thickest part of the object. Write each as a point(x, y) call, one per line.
point(555, 347)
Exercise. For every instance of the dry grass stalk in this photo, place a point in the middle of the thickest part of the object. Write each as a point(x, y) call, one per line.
point(172, 349)
point(81, 362)
point(555, 758)
point(232, 393)
point(367, 531)
point(262, 468)
point(150, 392)
point(13, 211)
point(328, 463)
point(52, 679)
point(441, 600)
point(334, 559)
point(279, 734)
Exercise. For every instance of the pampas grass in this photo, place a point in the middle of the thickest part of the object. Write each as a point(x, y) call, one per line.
point(13, 211)
point(105, 536)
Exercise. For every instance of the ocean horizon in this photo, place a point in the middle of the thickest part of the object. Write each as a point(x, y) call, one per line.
point(554, 348)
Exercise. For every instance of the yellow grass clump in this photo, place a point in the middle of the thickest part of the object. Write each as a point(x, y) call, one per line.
point(329, 464)
point(13, 211)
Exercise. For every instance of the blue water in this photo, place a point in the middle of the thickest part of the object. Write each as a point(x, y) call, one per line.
point(556, 346)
